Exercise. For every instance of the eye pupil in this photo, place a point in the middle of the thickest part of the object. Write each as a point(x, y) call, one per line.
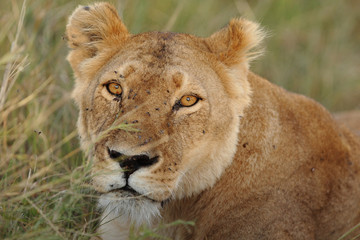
point(188, 99)
point(116, 86)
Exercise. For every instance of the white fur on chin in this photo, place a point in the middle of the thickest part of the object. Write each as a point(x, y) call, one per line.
point(137, 210)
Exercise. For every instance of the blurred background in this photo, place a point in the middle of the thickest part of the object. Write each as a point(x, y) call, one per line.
point(312, 48)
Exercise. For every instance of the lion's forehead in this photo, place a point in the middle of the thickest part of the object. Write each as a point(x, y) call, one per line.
point(165, 44)
point(158, 51)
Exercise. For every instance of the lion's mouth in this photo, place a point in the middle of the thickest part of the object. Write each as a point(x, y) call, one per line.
point(127, 190)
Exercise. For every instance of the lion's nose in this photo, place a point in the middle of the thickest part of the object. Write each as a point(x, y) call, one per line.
point(132, 163)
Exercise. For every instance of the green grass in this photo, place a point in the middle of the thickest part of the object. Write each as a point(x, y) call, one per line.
point(313, 49)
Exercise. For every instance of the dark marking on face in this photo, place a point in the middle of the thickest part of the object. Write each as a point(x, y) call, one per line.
point(121, 76)
point(130, 91)
point(164, 103)
point(161, 131)
point(135, 121)
point(274, 147)
point(167, 35)
point(148, 92)
point(203, 131)
point(146, 141)
point(177, 106)
point(245, 145)
point(148, 114)
point(134, 96)
point(177, 79)
point(160, 53)
point(115, 72)
point(167, 91)
point(157, 109)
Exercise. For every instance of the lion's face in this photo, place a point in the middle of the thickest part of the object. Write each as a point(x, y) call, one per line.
point(171, 108)
point(159, 112)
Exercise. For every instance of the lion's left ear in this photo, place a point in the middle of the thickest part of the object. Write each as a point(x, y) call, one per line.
point(235, 46)
point(235, 43)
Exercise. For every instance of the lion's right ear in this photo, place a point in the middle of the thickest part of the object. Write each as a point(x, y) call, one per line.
point(93, 31)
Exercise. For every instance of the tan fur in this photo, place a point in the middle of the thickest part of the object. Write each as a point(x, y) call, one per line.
point(248, 161)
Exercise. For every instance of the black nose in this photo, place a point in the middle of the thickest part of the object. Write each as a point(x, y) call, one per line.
point(132, 163)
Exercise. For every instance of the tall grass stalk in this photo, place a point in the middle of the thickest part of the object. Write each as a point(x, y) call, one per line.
point(15, 65)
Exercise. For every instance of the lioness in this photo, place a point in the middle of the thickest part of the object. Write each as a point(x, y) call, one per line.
point(207, 140)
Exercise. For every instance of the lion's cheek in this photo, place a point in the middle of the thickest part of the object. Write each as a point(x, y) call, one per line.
point(107, 176)
point(107, 182)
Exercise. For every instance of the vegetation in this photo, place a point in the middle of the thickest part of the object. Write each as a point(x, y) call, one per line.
point(312, 48)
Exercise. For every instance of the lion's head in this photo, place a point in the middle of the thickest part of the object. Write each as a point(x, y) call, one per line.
point(181, 97)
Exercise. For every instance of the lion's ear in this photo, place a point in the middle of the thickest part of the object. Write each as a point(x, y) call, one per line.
point(91, 30)
point(238, 43)
point(235, 46)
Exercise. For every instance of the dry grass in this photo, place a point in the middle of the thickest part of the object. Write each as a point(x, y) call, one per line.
point(44, 192)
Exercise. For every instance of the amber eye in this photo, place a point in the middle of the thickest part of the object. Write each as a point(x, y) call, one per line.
point(188, 100)
point(114, 88)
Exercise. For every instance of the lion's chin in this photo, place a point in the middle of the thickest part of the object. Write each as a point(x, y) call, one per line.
point(125, 206)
